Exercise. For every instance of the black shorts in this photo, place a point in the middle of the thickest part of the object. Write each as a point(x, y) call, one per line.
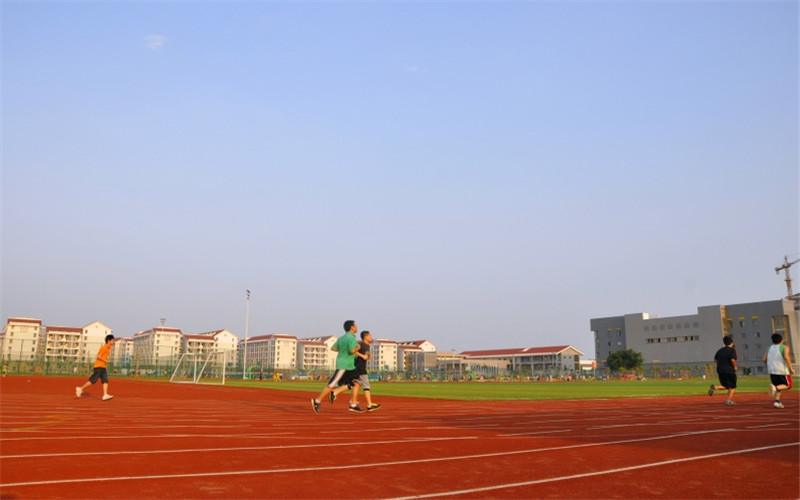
point(343, 377)
point(781, 380)
point(99, 373)
point(727, 380)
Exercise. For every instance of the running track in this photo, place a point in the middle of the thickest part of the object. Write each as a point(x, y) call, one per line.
point(158, 440)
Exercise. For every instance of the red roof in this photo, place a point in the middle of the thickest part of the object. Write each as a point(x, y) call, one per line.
point(409, 347)
point(519, 351)
point(24, 320)
point(318, 339)
point(70, 329)
point(198, 337)
point(313, 343)
point(271, 336)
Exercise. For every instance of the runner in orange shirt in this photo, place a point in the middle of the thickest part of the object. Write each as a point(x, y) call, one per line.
point(100, 371)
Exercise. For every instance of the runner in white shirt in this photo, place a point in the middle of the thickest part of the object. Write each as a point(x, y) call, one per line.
point(779, 366)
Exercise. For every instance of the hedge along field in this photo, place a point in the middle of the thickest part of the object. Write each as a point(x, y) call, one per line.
point(488, 391)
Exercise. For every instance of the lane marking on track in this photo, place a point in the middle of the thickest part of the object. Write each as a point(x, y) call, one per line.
point(141, 436)
point(414, 428)
point(646, 424)
point(536, 433)
point(374, 464)
point(598, 473)
point(235, 448)
point(781, 424)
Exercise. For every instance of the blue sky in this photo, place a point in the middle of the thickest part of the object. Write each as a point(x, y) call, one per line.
point(480, 174)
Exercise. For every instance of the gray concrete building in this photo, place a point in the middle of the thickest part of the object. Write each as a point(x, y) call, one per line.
point(689, 342)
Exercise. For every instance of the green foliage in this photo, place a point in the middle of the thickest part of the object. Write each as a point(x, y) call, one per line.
point(625, 360)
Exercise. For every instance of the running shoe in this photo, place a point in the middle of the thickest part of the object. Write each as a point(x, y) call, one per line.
point(772, 391)
point(315, 405)
point(356, 409)
point(778, 404)
point(106, 397)
point(332, 397)
point(730, 403)
point(78, 392)
point(711, 390)
point(373, 407)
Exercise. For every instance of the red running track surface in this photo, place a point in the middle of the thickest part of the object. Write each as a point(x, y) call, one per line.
point(158, 440)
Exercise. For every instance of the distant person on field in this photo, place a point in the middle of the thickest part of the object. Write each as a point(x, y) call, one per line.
point(346, 346)
point(726, 369)
point(361, 374)
point(100, 371)
point(779, 365)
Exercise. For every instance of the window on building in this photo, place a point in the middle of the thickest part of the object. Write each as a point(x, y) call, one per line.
point(779, 324)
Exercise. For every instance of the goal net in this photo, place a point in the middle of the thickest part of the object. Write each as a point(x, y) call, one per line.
point(201, 368)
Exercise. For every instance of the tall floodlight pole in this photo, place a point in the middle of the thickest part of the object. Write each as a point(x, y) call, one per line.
point(246, 325)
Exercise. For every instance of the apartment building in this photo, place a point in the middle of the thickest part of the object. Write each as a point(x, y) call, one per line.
point(314, 354)
point(122, 352)
point(157, 346)
point(385, 356)
point(21, 338)
point(270, 352)
point(62, 342)
point(27, 339)
point(93, 336)
point(422, 345)
point(224, 340)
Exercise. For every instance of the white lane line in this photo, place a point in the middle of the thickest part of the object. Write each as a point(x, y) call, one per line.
point(535, 433)
point(359, 465)
point(143, 436)
point(233, 448)
point(781, 424)
point(592, 474)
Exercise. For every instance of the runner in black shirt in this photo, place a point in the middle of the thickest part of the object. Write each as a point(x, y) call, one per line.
point(726, 369)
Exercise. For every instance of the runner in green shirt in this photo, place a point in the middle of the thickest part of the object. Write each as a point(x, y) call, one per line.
point(346, 347)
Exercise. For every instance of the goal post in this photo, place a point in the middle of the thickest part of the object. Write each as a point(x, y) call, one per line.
point(201, 368)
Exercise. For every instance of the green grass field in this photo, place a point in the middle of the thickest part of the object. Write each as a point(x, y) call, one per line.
point(487, 391)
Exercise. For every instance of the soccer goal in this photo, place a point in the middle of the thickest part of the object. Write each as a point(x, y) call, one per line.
point(201, 368)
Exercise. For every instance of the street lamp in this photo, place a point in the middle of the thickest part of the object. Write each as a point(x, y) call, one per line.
point(246, 324)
